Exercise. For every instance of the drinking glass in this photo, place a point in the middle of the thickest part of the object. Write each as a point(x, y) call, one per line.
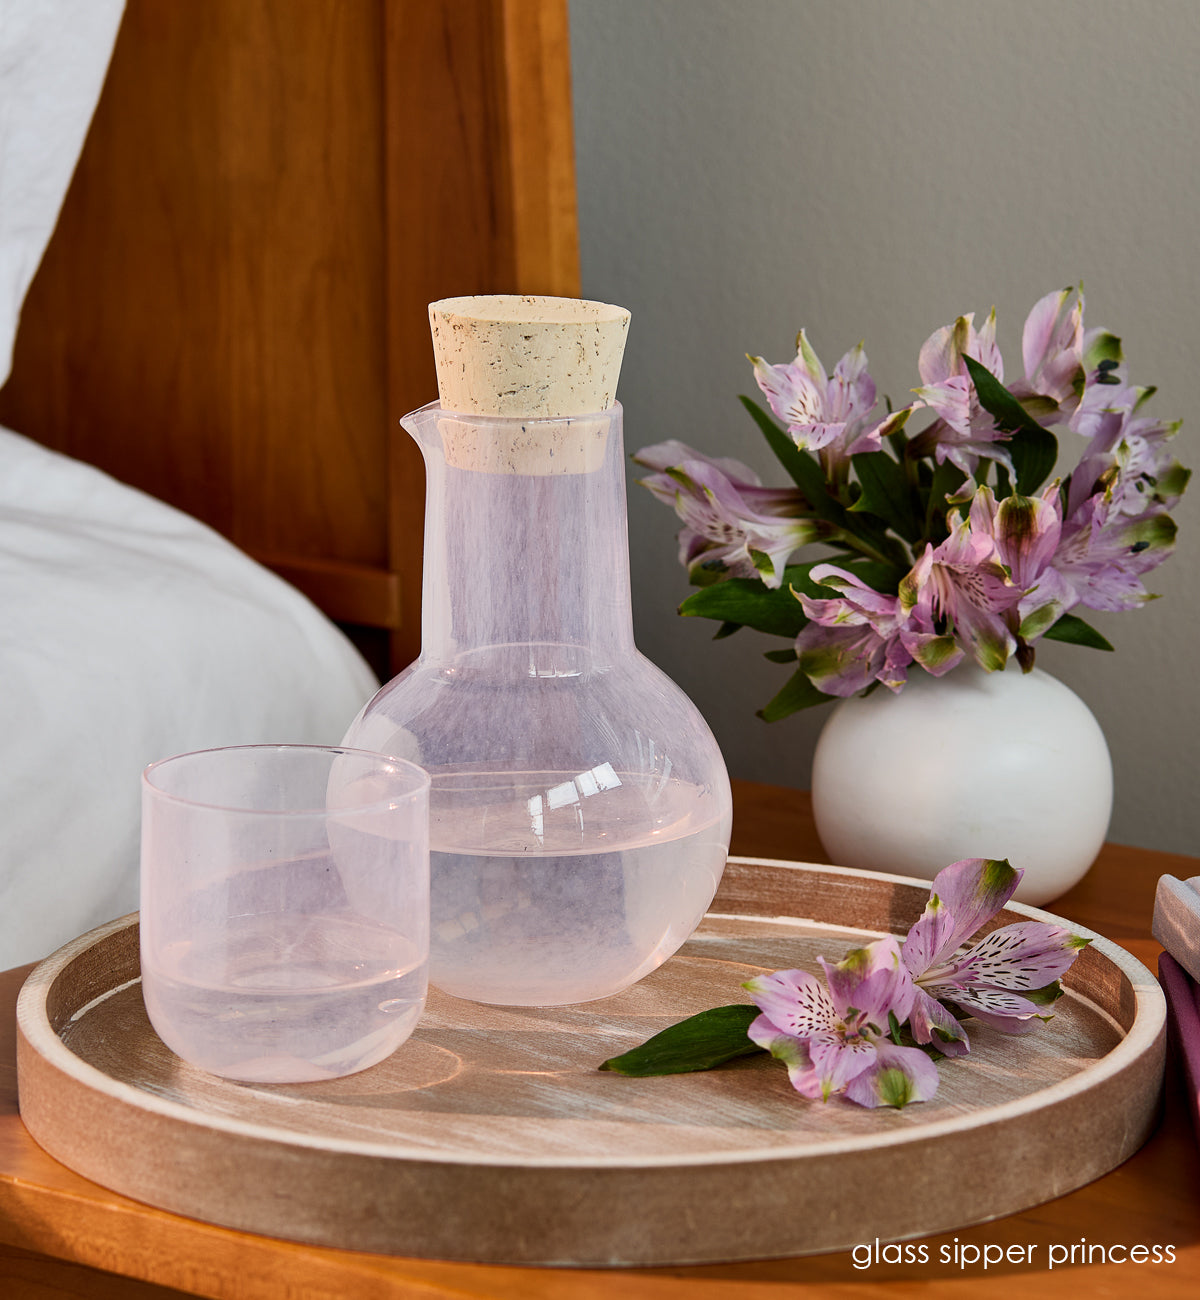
point(284, 908)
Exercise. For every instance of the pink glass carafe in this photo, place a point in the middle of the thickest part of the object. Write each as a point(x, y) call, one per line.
point(580, 809)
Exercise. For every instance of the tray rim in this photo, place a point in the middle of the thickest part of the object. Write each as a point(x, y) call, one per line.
point(1147, 1025)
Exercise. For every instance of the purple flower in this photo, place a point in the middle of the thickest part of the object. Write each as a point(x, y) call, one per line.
point(1027, 532)
point(1128, 456)
point(964, 432)
point(964, 587)
point(1052, 348)
point(1104, 553)
point(733, 526)
point(863, 636)
point(832, 1036)
point(1005, 980)
point(827, 415)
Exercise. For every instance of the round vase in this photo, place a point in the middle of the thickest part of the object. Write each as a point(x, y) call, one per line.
point(974, 764)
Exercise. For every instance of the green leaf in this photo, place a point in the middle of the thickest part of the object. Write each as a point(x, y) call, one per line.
point(999, 403)
point(1034, 449)
point(1075, 631)
point(799, 693)
point(886, 493)
point(1044, 997)
point(749, 603)
point(698, 1043)
point(780, 656)
point(1034, 452)
point(804, 470)
point(727, 629)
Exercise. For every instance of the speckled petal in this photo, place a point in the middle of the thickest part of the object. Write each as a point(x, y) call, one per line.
point(794, 1001)
point(1027, 955)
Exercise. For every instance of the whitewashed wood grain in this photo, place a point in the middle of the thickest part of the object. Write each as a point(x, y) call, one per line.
point(491, 1135)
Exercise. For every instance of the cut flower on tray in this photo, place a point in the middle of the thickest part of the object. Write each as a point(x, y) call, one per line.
point(873, 1025)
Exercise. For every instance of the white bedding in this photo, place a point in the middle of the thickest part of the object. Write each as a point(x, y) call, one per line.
point(129, 631)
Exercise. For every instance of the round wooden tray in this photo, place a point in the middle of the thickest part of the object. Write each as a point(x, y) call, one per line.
point(490, 1136)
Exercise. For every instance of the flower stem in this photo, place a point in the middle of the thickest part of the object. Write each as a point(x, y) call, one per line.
point(864, 548)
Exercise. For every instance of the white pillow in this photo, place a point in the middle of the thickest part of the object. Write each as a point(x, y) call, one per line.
point(129, 631)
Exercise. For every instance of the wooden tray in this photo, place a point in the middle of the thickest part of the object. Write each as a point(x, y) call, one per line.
point(490, 1136)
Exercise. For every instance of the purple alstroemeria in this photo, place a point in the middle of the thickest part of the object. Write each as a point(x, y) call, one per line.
point(826, 414)
point(964, 432)
point(832, 1036)
point(734, 527)
point(1006, 979)
point(863, 636)
point(964, 587)
point(1027, 532)
point(1147, 473)
point(1103, 554)
point(1128, 457)
point(1052, 348)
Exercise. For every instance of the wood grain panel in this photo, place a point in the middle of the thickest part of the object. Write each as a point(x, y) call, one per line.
point(232, 312)
point(302, 167)
point(480, 199)
point(122, 351)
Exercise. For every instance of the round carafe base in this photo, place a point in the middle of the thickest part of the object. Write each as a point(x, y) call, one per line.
point(588, 884)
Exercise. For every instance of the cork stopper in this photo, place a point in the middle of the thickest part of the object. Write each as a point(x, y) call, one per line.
point(527, 357)
point(538, 362)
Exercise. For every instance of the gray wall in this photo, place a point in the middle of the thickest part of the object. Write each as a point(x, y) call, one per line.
point(869, 169)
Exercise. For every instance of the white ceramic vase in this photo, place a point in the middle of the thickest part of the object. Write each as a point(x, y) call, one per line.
point(974, 764)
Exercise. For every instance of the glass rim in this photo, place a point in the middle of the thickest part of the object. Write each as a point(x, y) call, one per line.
point(418, 780)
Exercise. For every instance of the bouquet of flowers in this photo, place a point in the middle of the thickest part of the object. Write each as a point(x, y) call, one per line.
point(949, 543)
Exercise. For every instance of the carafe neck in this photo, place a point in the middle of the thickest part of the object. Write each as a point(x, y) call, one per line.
point(526, 540)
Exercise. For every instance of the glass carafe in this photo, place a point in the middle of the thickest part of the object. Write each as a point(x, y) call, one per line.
point(580, 809)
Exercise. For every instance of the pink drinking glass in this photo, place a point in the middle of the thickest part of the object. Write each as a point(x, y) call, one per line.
point(284, 908)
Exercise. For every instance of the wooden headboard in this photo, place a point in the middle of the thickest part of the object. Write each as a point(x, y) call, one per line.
point(232, 312)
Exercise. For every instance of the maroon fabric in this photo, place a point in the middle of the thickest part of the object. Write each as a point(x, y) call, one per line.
point(1183, 1017)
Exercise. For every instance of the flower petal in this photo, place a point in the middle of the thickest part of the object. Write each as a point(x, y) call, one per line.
point(792, 1052)
point(899, 1075)
point(796, 397)
point(840, 660)
point(851, 389)
point(931, 1022)
point(872, 980)
point(1027, 531)
point(930, 939)
point(794, 1001)
point(977, 998)
point(1027, 955)
point(663, 456)
point(1041, 329)
point(837, 1063)
point(973, 891)
point(1011, 1025)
